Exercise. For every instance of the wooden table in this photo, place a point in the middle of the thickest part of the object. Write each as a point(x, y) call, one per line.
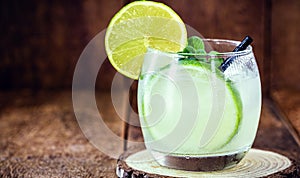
point(40, 137)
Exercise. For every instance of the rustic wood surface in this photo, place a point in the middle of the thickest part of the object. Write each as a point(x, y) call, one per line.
point(289, 102)
point(257, 163)
point(41, 138)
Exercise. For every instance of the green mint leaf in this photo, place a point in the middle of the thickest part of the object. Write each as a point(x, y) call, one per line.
point(196, 42)
point(200, 51)
point(189, 49)
point(195, 45)
point(195, 48)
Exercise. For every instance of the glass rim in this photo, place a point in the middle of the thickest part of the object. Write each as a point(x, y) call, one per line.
point(247, 51)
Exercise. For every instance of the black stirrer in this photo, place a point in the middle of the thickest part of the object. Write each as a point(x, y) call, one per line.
point(242, 46)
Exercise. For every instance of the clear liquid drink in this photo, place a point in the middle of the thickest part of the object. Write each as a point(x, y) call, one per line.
point(195, 116)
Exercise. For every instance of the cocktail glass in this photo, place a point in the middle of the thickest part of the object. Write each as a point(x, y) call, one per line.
point(195, 116)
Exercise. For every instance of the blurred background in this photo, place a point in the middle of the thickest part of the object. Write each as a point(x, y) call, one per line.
point(41, 42)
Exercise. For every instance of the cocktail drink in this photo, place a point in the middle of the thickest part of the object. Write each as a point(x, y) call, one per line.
point(199, 103)
point(193, 115)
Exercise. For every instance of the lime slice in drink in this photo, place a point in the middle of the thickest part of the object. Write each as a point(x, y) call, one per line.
point(137, 26)
point(221, 102)
point(219, 107)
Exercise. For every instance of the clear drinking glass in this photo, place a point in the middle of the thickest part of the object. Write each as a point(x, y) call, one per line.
point(195, 116)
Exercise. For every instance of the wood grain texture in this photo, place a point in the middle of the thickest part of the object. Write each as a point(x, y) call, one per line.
point(257, 163)
point(288, 100)
point(285, 64)
point(40, 137)
point(285, 44)
point(39, 37)
point(41, 41)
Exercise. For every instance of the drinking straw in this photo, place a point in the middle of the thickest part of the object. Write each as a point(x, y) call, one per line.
point(242, 46)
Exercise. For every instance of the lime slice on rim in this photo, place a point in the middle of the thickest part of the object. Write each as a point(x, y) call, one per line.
point(222, 118)
point(137, 26)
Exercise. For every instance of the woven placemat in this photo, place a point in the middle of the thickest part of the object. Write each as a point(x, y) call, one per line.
point(257, 163)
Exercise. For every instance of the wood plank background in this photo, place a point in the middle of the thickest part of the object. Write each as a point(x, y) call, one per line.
point(285, 44)
point(40, 37)
point(41, 41)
